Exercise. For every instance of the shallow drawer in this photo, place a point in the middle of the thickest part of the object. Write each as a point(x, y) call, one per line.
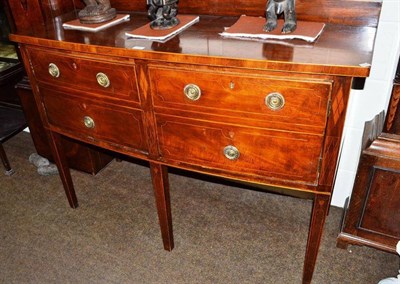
point(230, 94)
point(100, 78)
point(273, 154)
point(85, 118)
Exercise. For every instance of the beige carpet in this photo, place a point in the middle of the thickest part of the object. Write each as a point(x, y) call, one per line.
point(223, 233)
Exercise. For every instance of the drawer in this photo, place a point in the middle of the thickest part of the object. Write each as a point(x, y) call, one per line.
point(118, 80)
point(275, 155)
point(91, 121)
point(270, 99)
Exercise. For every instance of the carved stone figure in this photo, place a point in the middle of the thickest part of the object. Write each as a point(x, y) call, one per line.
point(277, 7)
point(163, 14)
point(96, 11)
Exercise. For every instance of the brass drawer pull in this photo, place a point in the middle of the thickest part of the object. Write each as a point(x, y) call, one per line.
point(88, 121)
point(54, 71)
point(275, 101)
point(103, 80)
point(231, 152)
point(192, 92)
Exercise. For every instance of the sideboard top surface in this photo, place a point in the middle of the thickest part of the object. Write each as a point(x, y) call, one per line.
point(340, 50)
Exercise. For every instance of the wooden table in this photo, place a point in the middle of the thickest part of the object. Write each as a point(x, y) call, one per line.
point(12, 120)
point(136, 97)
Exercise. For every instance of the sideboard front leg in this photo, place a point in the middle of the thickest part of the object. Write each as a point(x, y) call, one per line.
point(159, 174)
point(318, 216)
point(63, 169)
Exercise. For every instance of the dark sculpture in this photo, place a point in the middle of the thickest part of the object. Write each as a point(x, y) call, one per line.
point(277, 7)
point(163, 14)
point(96, 11)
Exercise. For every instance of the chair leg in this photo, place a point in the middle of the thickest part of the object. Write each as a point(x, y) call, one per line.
point(9, 171)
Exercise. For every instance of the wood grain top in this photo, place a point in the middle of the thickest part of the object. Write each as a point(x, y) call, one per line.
point(339, 50)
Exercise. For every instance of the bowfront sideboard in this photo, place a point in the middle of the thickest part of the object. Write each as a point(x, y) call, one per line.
point(269, 113)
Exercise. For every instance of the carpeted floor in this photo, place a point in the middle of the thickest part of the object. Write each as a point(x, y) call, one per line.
point(223, 233)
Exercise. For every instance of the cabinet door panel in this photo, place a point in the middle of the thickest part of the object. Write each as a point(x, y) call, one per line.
point(381, 212)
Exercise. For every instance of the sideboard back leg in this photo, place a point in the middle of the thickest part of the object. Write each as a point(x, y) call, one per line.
point(63, 169)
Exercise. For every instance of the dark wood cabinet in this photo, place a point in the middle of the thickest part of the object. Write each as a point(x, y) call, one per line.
point(392, 123)
point(372, 217)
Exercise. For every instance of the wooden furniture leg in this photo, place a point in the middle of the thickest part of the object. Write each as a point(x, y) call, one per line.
point(63, 169)
point(318, 216)
point(159, 174)
point(4, 160)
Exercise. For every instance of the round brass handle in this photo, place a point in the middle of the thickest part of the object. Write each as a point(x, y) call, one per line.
point(231, 152)
point(103, 80)
point(88, 121)
point(192, 92)
point(275, 101)
point(53, 70)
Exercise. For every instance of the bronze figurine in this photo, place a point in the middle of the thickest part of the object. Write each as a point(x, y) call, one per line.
point(277, 7)
point(163, 14)
point(96, 11)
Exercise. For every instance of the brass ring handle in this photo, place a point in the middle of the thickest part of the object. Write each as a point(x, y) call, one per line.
point(54, 71)
point(103, 80)
point(275, 101)
point(88, 121)
point(192, 92)
point(231, 152)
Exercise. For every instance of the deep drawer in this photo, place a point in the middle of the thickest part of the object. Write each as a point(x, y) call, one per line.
point(274, 154)
point(118, 80)
point(87, 119)
point(270, 99)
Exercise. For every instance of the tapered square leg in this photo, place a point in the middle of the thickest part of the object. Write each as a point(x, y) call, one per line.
point(318, 216)
point(159, 174)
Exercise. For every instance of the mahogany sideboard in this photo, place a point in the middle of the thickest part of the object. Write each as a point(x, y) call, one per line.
point(269, 113)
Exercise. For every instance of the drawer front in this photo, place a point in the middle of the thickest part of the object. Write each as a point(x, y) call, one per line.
point(271, 154)
point(118, 80)
point(268, 99)
point(84, 118)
